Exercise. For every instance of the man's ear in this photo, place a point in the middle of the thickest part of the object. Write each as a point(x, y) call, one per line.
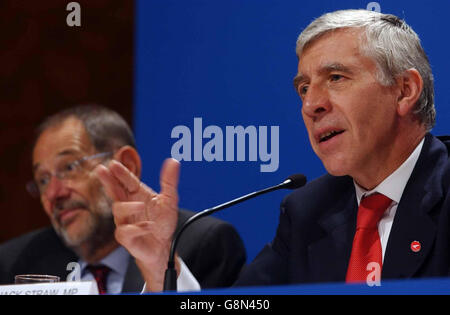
point(411, 86)
point(130, 158)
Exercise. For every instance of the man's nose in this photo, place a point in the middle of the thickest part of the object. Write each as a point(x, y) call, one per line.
point(316, 102)
point(56, 188)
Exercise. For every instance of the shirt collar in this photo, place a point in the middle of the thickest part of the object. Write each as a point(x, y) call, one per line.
point(394, 185)
point(116, 260)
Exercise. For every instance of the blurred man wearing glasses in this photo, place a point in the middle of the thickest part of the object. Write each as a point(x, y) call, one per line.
point(67, 148)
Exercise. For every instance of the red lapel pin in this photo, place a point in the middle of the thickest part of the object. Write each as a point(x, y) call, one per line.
point(415, 246)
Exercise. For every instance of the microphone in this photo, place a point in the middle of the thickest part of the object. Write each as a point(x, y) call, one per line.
point(170, 277)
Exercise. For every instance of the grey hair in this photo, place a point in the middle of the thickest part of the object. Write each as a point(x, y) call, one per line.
point(107, 130)
point(390, 42)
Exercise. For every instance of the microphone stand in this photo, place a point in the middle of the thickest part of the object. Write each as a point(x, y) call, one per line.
point(170, 276)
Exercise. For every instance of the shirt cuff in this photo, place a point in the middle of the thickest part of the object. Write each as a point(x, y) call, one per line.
point(185, 282)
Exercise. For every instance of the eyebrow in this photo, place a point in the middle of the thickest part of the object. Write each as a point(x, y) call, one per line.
point(62, 153)
point(335, 67)
point(327, 68)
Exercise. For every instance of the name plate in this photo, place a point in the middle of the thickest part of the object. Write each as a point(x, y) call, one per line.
point(55, 288)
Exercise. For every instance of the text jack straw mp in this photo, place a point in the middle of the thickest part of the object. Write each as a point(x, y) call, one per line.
point(170, 277)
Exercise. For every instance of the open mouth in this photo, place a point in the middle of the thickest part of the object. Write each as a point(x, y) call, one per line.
point(329, 135)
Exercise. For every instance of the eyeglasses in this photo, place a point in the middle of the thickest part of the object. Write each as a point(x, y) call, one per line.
point(68, 169)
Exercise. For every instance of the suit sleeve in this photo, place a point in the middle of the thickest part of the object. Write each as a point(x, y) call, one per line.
point(270, 267)
point(226, 255)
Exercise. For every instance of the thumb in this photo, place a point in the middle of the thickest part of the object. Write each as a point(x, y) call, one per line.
point(169, 177)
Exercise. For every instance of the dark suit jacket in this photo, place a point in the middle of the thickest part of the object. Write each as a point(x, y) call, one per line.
point(318, 222)
point(211, 248)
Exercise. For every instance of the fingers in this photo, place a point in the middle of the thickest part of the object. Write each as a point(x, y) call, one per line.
point(126, 178)
point(120, 184)
point(128, 234)
point(139, 239)
point(128, 212)
point(112, 186)
point(170, 174)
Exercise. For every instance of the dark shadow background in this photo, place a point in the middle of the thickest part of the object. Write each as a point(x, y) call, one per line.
point(46, 66)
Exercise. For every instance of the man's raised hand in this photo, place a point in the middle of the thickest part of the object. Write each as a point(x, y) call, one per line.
point(145, 220)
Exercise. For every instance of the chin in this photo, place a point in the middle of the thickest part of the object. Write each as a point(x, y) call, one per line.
point(73, 239)
point(336, 167)
point(74, 234)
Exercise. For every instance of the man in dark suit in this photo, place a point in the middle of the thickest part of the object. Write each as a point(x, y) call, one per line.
point(68, 146)
point(315, 235)
point(368, 105)
point(383, 210)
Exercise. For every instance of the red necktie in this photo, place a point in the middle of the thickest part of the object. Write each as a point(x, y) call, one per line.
point(100, 274)
point(366, 247)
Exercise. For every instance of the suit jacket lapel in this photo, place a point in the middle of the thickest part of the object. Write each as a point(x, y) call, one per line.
point(412, 221)
point(133, 283)
point(329, 255)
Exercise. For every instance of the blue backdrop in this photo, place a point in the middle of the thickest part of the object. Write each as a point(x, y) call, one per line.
point(205, 67)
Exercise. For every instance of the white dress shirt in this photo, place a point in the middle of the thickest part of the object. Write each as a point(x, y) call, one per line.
point(392, 187)
point(186, 280)
point(118, 261)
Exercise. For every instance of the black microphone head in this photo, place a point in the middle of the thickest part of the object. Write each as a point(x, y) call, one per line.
point(295, 181)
